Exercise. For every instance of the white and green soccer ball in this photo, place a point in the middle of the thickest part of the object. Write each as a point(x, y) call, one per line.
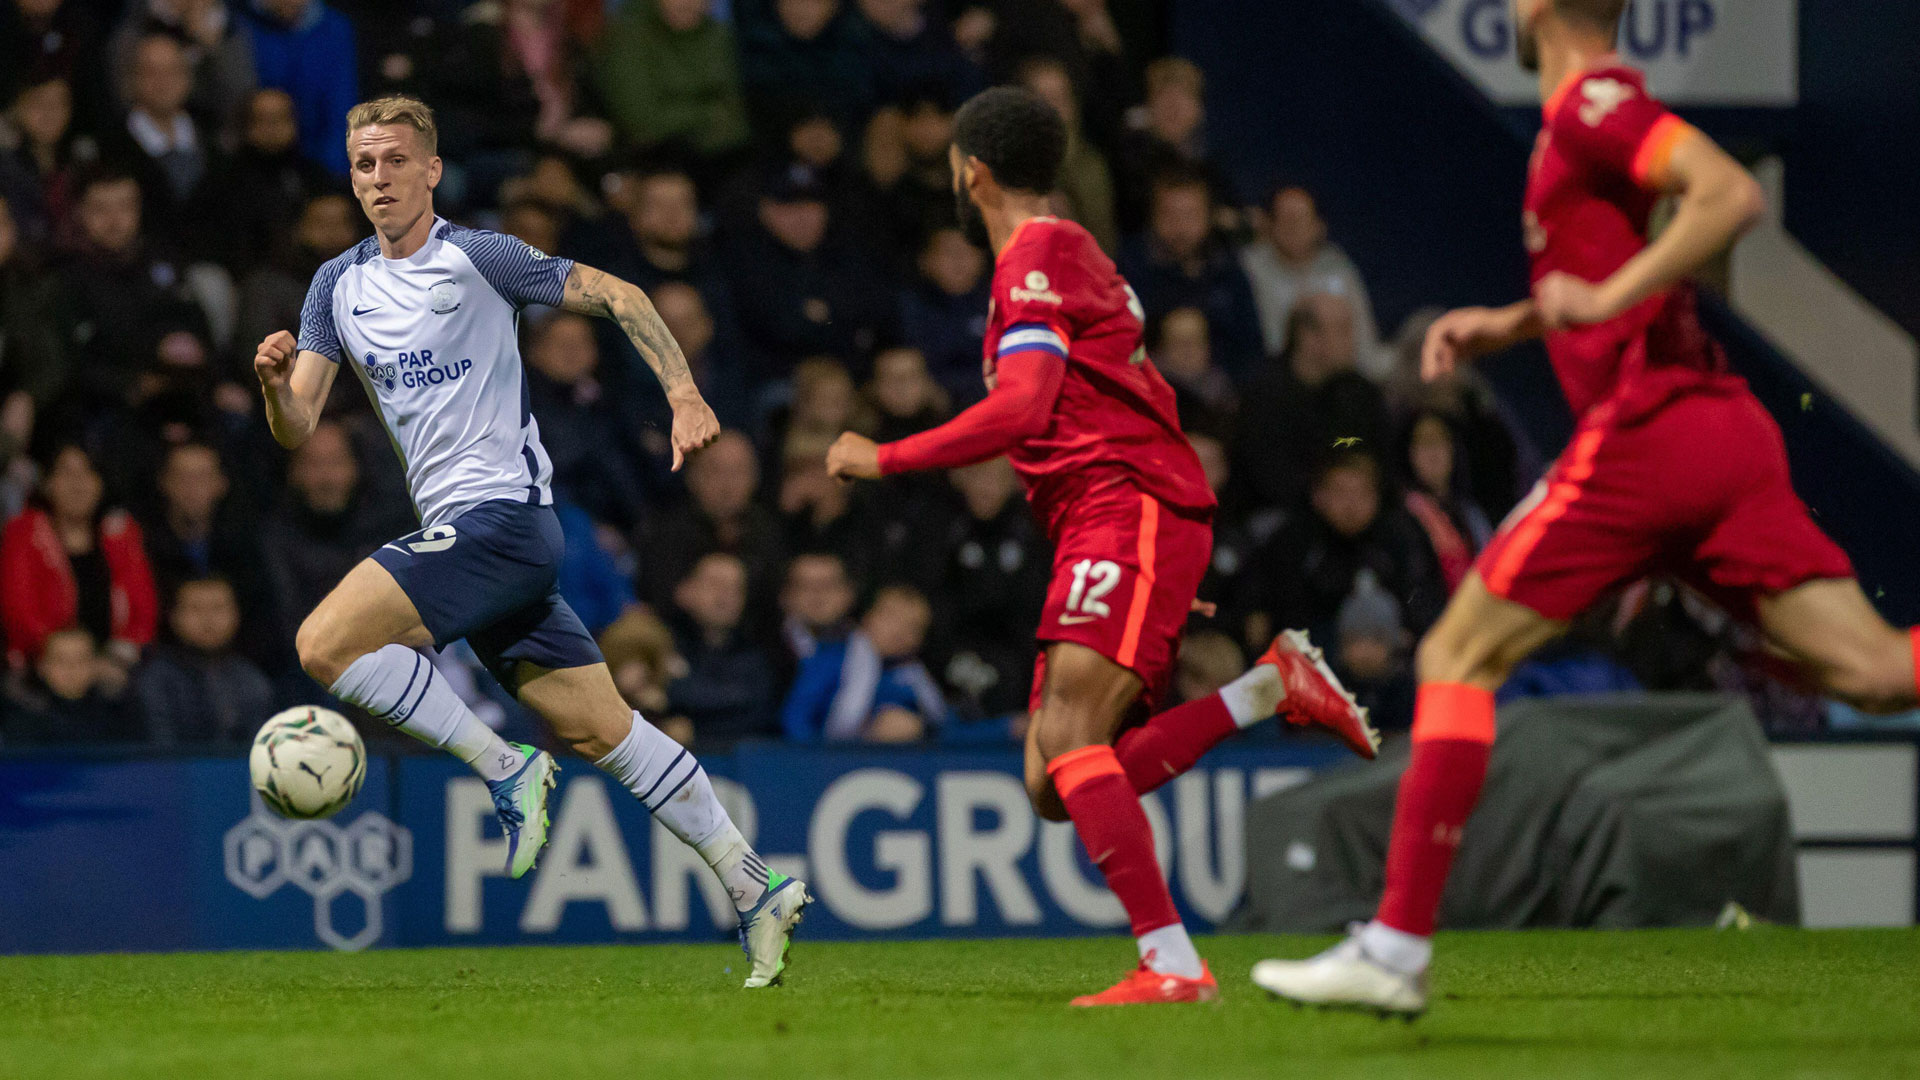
point(307, 762)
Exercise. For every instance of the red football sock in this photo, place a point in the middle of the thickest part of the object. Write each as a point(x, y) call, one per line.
point(1106, 813)
point(1452, 740)
point(1169, 744)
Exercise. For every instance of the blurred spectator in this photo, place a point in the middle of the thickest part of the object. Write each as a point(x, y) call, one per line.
point(1437, 498)
point(269, 181)
point(596, 462)
point(63, 701)
point(32, 355)
point(60, 39)
point(816, 607)
point(1183, 351)
point(1167, 135)
point(19, 475)
point(1373, 654)
point(906, 158)
point(1181, 262)
point(1293, 258)
point(642, 658)
point(307, 49)
point(1307, 571)
point(1237, 535)
point(69, 561)
point(728, 691)
point(1086, 181)
point(944, 311)
point(194, 688)
point(989, 572)
point(1208, 661)
point(274, 291)
point(1081, 34)
point(669, 74)
point(590, 576)
point(904, 398)
point(798, 295)
point(119, 295)
point(913, 52)
point(535, 223)
point(323, 526)
point(870, 686)
point(171, 155)
point(821, 513)
point(218, 51)
point(1496, 461)
point(42, 152)
point(722, 517)
point(200, 532)
point(824, 405)
point(1307, 405)
point(803, 49)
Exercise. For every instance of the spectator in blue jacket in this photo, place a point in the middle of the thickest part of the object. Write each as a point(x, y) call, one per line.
point(1180, 262)
point(306, 48)
point(870, 686)
point(727, 691)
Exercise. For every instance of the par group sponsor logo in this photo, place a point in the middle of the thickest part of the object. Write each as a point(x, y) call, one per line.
point(340, 867)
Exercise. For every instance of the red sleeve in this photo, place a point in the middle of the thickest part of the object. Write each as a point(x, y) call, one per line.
point(25, 597)
point(1019, 408)
point(1612, 128)
point(133, 576)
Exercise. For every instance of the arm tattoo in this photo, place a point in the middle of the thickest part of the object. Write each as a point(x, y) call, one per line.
point(592, 292)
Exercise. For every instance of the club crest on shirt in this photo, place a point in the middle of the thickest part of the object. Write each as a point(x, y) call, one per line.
point(1038, 290)
point(1603, 96)
point(444, 296)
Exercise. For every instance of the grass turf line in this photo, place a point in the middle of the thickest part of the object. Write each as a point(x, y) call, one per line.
point(1686, 1004)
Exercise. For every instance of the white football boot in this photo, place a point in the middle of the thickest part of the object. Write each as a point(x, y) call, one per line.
point(766, 932)
point(1345, 977)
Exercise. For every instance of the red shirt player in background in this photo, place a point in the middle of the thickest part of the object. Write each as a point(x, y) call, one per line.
point(1674, 467)
point(1090, 426)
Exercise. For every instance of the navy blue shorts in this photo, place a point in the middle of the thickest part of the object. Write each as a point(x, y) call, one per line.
point(488, 576)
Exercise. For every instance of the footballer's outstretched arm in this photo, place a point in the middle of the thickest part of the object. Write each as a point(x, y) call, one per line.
point(1020, 405)
point(595, 292)
point(295, 382)
point(1718, 201)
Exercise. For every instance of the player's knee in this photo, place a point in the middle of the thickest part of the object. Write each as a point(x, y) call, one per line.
point(1045, 799)
point(323, 653)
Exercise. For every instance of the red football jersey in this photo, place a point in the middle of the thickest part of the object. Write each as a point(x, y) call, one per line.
point(1592, 184)
point(1055, 291)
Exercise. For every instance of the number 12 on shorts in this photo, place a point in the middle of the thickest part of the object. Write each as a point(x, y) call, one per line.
point(1092, 581)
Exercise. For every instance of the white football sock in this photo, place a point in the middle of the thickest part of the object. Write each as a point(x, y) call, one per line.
point(1255, 695)
point(400, 686)
point(669, 780)
point(1396, 950)
point(1170, 951)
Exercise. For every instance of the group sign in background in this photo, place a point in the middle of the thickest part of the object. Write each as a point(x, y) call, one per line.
point(107, 855)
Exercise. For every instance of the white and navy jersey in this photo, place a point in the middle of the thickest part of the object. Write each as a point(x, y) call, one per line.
point(434, 339)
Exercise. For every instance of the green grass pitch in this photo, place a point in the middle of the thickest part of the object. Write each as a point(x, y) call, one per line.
point(1671, 1004)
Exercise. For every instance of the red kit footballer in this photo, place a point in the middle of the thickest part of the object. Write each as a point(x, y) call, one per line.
point(1090, 426)
point(1674, 467)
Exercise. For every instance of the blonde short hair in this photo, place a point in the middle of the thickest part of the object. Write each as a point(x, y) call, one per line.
point(396, 109)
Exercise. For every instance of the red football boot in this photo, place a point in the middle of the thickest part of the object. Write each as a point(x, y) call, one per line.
point(1144, 986)
point(1315, 696)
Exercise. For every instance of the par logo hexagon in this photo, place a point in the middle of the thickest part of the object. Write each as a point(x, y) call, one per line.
point(362, 861)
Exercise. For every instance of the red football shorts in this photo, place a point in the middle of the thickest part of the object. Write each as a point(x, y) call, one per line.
point(1126, 569)
point(1697, 489)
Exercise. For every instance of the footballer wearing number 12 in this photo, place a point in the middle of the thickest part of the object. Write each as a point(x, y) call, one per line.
point(1090, 426)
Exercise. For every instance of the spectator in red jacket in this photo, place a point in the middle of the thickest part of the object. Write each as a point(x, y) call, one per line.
point(66, 562)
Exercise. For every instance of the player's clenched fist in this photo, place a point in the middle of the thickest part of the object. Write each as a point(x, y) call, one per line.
point(853, 457)
point(273, 360)
point(694, 426)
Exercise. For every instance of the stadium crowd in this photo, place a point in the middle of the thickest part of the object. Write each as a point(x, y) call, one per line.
point(774, 174)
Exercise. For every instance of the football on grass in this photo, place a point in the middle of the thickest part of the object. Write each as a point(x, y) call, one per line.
point(307, 762)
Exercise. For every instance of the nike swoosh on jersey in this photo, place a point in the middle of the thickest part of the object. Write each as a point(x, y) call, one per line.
point(1076, 620)
point(362, 311)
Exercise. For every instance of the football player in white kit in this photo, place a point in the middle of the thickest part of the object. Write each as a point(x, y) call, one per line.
point(426, 314)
